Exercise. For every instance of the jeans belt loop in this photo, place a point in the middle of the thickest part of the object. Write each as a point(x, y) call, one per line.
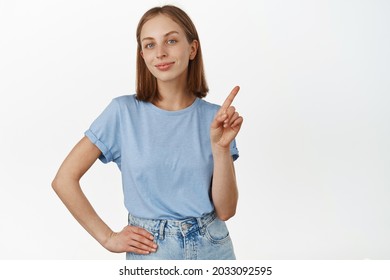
point(161, 230)
point(202, 227)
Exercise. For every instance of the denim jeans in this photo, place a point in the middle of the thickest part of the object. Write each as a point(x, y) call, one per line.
point(204, 238)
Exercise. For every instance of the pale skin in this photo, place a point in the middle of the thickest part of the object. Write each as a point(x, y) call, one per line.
point(171, 84)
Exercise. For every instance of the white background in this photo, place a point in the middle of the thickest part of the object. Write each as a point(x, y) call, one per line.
point(314, 163)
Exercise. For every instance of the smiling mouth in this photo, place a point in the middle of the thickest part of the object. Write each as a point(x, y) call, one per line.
point(164, 66)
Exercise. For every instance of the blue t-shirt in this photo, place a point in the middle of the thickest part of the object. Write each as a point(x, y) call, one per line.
point(164, 156)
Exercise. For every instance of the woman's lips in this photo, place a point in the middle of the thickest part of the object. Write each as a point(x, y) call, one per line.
point(164, 66)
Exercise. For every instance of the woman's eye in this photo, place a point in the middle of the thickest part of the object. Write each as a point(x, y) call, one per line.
point(171, 42)
point(149, 46)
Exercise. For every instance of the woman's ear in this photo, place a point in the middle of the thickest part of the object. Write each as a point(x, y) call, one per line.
point(142, 54)
point(194, 49)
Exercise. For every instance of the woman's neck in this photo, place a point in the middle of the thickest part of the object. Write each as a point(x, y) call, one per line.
point(174, 97)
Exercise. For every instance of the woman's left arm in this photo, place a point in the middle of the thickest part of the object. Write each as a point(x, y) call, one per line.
point(223, 130)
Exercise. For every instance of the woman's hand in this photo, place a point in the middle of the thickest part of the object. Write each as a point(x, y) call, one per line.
point(131, 239)
point(226, 124)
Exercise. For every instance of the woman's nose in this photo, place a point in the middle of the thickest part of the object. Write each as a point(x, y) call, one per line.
point(161, 51)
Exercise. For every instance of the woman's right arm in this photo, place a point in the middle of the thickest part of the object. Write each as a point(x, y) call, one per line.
point(67, 186)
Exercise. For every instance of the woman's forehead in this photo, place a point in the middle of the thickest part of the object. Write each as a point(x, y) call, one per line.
point(160, 25)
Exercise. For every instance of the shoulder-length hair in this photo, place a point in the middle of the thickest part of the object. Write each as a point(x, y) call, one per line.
point(146, 83)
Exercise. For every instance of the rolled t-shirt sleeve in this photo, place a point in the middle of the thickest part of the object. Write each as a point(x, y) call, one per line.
point(104, 133)
point(234, 150)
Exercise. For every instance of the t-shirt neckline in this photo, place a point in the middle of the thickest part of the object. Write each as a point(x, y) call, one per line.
point(173, 113)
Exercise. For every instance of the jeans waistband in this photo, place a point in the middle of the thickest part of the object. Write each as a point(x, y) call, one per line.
point(160, 228)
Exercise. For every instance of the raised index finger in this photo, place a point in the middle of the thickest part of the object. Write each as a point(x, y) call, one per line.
point(230, 98)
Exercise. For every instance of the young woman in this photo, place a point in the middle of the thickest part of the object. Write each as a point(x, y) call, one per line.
point(175, 152)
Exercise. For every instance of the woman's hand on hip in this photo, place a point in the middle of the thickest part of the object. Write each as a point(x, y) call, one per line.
point(131, 239)
point(226, 124)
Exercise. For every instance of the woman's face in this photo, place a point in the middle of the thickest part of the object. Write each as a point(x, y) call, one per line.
point(165, 49)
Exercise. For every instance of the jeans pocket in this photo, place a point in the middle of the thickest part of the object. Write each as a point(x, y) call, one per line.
point(217, 232)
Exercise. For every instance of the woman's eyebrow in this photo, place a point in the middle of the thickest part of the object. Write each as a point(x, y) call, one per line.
point(166, 35)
